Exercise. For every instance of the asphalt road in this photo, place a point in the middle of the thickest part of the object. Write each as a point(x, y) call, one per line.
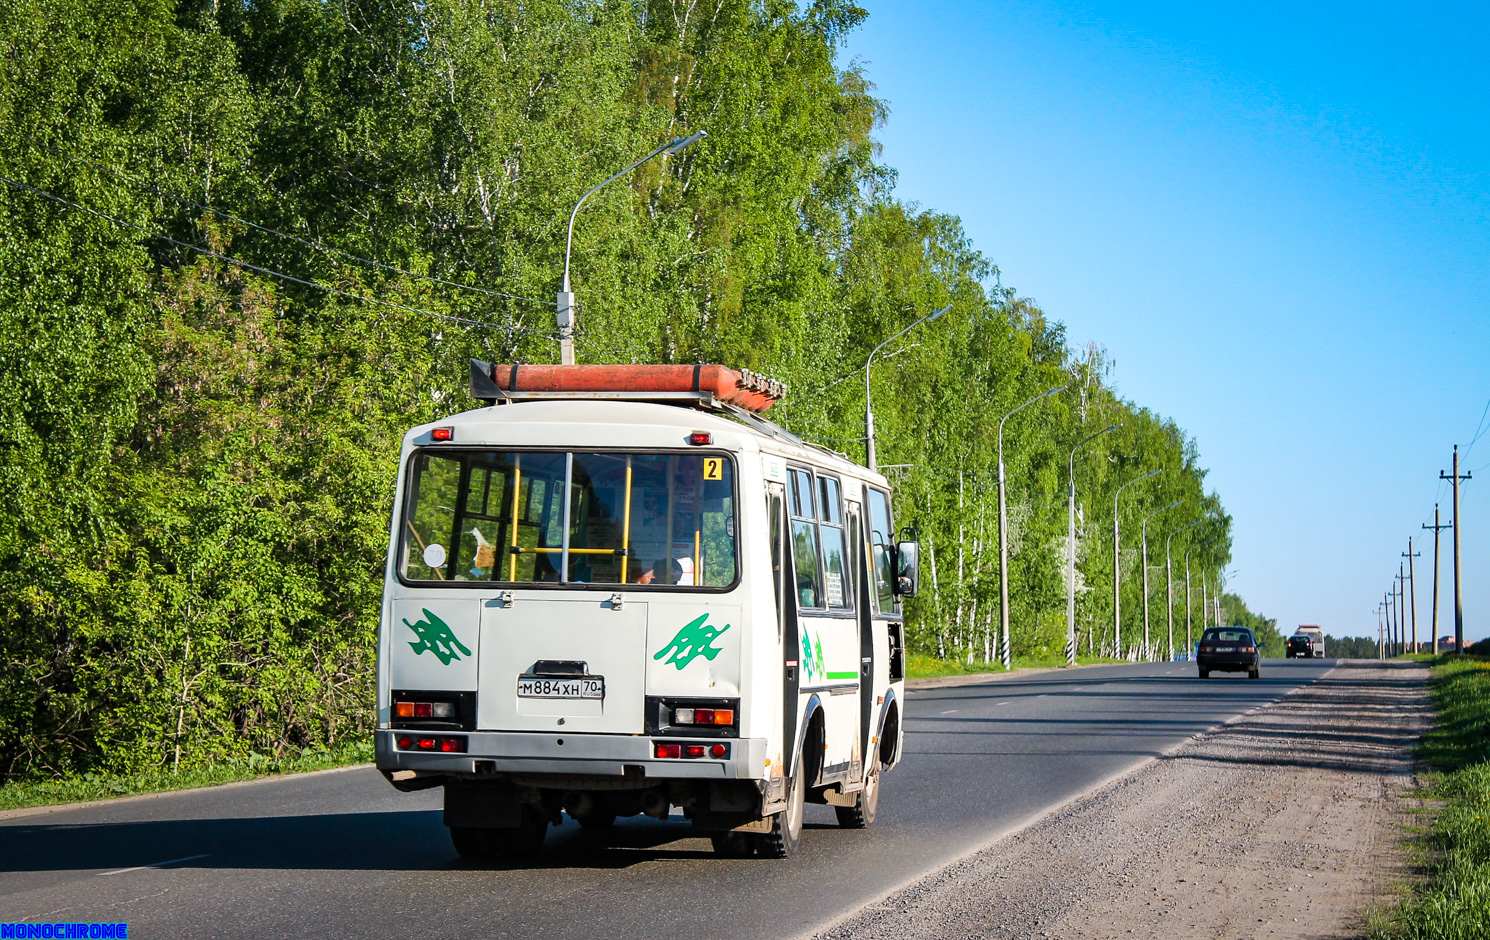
point(345, 854)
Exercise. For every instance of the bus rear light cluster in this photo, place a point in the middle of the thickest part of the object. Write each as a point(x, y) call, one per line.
point(424, 709)
point(419, 742)
point(686, 751)
point(703, 716)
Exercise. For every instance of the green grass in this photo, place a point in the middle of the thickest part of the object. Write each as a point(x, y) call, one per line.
point(1453, 900)
point(921, 666)
point(108, 786)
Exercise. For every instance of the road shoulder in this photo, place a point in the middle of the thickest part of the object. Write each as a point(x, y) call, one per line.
point(1283, 823)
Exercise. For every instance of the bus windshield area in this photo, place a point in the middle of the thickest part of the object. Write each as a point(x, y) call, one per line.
point(562, 517)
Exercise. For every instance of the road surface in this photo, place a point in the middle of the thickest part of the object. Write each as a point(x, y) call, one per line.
point(343, 853)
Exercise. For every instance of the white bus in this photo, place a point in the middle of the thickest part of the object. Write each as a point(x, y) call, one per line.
point(616, 600)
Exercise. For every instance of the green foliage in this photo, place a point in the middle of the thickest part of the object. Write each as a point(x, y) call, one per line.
point(1452, 901)
point(197, 460)
point(1349, 647)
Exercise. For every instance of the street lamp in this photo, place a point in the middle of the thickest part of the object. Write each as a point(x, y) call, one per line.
point(1117, 571)
point(1189, 641)
point(1071, 545)
point(566, 296)
point(1004, 530)
point(869, 411)
point(1148, 648)
point(1169, 586)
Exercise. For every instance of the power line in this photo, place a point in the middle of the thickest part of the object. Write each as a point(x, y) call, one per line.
point(1479, 430)
point(309, 243)
point(266, 271)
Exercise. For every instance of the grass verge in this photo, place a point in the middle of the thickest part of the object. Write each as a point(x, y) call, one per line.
point(1453, 901)
point(108, 786)
point(921, 666)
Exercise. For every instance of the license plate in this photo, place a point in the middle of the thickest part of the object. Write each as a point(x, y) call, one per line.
point(1226, 649)
point(579, 687)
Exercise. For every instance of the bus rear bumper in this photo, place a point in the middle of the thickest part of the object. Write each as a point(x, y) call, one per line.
point(498, 752)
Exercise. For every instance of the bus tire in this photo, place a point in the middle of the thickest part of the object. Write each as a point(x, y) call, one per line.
point(786, 826)
point(861, 814)
point(471, 842)
point(523, 840)
point(597, 820)
point(732, 844)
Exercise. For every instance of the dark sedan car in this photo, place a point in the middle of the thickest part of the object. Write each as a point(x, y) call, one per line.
point(1301, 646)
point(1229, 649)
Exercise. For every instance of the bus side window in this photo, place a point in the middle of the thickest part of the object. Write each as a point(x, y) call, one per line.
point(775, 508)
point(835, 564)
point(881, 537)
point(808, 568)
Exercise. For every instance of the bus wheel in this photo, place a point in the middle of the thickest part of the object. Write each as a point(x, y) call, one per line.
point(471, 842)
point(732, 844)
point(786, 826)
point(523, 840)
point(597, 820)
point(861, 814)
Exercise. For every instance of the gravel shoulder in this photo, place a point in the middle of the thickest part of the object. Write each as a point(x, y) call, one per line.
point(1284, 823)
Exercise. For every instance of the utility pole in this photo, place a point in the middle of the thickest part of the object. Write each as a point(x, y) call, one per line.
point(1391, 626)
point(1380, 633)
point(1458, 569)
point(1436, 529)
point(1412, 594)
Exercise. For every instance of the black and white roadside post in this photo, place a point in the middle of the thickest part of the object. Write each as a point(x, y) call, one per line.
point(1117, 571)
point(869, 453)
point(1071, 543)
point(566, 308)
point(1458, 569)
point(1437, 528)
point(1004, 651)
point(1148, 648)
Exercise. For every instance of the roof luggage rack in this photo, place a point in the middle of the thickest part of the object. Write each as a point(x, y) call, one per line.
point(714, 388)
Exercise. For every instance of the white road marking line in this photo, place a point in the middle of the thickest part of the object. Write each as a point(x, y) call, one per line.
point(950, 711)
point(189, 858)
point(997, 704)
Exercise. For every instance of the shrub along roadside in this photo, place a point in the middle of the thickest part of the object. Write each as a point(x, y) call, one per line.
point(109, 786)
point(1453, 901)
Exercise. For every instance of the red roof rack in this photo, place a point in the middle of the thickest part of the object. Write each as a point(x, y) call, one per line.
point(700, 385)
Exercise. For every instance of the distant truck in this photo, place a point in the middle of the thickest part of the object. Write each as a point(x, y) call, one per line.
point(1316, 637)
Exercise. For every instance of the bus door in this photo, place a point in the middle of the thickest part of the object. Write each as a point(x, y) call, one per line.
point(786, 626)
point(868, 680)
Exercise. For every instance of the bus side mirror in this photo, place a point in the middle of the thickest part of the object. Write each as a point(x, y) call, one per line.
point(907, 568)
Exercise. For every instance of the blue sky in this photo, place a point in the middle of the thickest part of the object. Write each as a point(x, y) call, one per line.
point(1275, 217)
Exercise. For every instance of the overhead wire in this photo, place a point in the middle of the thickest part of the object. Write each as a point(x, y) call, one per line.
point(268, 272)
point(307, 242)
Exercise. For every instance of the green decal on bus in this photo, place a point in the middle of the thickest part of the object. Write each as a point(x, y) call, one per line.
point(694, 640)
point(436, 636)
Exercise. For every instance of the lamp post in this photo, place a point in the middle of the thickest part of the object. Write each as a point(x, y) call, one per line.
point(1148, 648)
point(1004, 654)
point(868, 410)
point(1117, 571)
point(1071, 544)
point(566, 296)
point(1169, 585)
point(1189, 641)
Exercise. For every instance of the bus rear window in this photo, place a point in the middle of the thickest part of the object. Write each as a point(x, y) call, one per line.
point(525, 517)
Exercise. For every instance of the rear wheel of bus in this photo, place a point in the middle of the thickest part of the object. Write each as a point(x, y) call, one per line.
point(861, 814)
point(521, 841)
point(786, 826)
